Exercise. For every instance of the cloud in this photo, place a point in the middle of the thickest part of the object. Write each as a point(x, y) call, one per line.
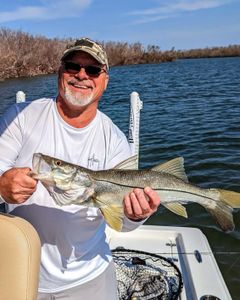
point(149, 19)
point(52, 9)
point(169, 9)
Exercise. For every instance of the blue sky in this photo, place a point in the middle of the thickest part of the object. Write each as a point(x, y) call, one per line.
point(183, 24)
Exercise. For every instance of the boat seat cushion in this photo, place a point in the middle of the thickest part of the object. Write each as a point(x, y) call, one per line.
point(19, 259)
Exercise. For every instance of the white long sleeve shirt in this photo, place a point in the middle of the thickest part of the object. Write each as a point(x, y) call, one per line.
point(74, 246)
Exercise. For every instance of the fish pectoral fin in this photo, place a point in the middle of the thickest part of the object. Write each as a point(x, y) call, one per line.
point(222, 214)
point(129, 164)
point(176, 208)
point(174, 167)
point(114, 216)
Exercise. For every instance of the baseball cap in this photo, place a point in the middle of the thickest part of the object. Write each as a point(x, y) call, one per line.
point(91, 47)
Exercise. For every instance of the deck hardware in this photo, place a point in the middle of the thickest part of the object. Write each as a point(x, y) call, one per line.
point(198, 256)
point(172, 244)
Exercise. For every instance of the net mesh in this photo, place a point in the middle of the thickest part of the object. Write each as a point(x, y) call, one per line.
point(143, 276)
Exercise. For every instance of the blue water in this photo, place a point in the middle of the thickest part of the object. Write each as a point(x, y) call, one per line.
point(191, 109)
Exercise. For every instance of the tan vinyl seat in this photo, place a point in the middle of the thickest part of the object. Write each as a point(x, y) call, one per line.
point(19, 259)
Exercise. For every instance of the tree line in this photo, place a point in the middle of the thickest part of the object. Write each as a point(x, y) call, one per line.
point(22, 54)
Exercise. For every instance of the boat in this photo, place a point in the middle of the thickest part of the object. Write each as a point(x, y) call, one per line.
point(183, 247)
point(187, 248)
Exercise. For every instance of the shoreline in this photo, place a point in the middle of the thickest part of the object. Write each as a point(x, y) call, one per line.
point(26, 55)
point(3, 79)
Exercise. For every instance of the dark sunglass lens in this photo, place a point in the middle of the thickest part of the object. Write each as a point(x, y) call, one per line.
point(93, 70)
point(72, 67)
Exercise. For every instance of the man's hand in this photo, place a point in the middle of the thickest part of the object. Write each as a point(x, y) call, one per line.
point(141, 204)
point(16, 186)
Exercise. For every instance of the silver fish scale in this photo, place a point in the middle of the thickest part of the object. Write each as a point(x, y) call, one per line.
point(157, 181)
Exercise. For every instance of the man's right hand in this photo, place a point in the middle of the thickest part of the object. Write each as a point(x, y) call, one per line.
point(16, 186)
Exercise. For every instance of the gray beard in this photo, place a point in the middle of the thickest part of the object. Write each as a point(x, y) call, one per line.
point(77, 99)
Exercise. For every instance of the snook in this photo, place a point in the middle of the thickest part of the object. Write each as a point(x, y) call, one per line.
point(71, 184)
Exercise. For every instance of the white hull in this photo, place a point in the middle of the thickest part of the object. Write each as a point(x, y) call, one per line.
point(179, 244)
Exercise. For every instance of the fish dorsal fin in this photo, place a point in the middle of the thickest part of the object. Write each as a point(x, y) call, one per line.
point(176, 208)
point(174, 167)
point(114, 216)
point(130, 163)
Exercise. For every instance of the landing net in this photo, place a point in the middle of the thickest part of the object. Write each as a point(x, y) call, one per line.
point(144, 276)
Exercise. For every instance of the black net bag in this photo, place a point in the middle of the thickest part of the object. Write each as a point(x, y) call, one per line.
point(144, 276)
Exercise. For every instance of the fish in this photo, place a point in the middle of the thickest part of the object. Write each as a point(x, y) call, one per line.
point(68, 184)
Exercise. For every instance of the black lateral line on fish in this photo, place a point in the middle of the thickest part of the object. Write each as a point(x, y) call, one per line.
point(167, 190)
point(185, 192)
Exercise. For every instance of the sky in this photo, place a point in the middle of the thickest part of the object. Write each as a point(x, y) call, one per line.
point(182, 24)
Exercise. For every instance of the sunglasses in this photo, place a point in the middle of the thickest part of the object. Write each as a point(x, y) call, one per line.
point(73, 68)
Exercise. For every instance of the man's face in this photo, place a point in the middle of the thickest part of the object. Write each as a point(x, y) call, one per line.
point(81, 89)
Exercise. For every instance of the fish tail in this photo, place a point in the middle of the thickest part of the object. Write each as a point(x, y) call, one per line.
point(222, 212)
point(229, 197)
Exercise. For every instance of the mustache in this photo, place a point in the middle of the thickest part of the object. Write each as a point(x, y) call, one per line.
point(77, 81)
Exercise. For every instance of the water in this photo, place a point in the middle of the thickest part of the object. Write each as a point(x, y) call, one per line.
point(191, 109)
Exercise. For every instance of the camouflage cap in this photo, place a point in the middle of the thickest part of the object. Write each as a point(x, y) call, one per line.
point(93, 48)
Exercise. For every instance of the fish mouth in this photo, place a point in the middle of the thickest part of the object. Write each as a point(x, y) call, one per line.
point(41, 169)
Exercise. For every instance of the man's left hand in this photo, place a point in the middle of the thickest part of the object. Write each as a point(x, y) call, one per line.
point(140, 204)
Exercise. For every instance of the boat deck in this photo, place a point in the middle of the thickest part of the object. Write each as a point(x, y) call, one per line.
point(188, 248)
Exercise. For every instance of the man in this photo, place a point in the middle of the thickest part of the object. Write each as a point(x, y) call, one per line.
point(76, 261)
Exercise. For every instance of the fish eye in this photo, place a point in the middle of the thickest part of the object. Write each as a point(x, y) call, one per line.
point(58, 163)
